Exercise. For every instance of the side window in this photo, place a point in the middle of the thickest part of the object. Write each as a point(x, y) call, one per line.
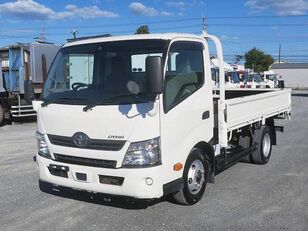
point(184, 73)
point(73, 68)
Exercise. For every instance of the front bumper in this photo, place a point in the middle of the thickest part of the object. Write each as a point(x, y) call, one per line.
point(134, 184)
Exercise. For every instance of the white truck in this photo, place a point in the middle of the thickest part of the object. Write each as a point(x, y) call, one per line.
point(145, 132)
point(231, 77)
point(270, 78)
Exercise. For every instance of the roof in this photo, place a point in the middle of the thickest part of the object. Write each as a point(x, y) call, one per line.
point(289, 66)
point(166, 36)
point(15, 46)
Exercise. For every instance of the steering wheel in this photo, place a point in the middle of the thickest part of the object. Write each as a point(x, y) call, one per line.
point(77, 85)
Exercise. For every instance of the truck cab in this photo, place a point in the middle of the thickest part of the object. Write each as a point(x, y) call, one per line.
point(100, 114)
point(231, 77)
point(271, 79)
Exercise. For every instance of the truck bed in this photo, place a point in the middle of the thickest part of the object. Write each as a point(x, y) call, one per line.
point(244, 107)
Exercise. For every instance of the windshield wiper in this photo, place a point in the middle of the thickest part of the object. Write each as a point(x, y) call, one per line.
point(60, 100)
point(90, 106)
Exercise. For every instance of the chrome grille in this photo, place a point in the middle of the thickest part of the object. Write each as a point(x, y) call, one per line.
point(96, 144)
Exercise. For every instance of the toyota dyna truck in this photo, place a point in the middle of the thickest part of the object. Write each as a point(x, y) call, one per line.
point(136, 116)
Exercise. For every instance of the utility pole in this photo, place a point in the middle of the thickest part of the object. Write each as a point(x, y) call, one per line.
point(279, 53)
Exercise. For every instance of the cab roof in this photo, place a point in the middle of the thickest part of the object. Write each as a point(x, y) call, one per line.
point(166, 36)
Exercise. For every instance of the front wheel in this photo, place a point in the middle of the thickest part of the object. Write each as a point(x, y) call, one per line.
point(195, 175)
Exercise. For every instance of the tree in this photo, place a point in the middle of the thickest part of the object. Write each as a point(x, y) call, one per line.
point(144, 29)
point(258, 60)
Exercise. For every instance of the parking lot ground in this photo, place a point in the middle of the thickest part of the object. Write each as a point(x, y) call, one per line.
point(244, 197)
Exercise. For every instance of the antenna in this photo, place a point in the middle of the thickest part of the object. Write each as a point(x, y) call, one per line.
point(74, 32)
point(204, 26)
point(41, 38)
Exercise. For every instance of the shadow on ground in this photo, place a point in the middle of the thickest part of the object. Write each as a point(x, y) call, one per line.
point(300, 94)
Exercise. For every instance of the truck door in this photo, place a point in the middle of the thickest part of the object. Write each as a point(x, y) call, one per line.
point(187, 116)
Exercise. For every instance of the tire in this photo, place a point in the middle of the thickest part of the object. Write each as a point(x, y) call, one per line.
point(195, 175)
point(2, 113)
point(263, 139)
point(245, 142)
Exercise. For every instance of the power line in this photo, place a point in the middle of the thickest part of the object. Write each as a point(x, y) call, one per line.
point(152, 22)
point(257, 16)
point(258, 25)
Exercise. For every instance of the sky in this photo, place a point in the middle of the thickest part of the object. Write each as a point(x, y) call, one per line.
point(240, 24)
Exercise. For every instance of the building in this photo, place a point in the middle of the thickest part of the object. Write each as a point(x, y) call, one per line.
point(295, 75)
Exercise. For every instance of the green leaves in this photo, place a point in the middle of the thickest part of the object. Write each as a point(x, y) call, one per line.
point(144, 29)
point(258, 60)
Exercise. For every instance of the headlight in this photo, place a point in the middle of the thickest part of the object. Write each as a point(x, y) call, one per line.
point(143, 154)
point(42, 145)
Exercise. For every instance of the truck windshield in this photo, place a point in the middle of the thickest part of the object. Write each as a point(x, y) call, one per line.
point(101, 73)
point(232, 77)
point(271, 77)
point(257, 78)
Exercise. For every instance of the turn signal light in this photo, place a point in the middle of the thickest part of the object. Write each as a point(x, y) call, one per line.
point(177, 167)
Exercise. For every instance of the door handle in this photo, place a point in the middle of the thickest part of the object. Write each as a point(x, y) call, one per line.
point(206, 115)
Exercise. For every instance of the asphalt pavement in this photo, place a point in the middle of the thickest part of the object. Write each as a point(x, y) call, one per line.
point(244, 197)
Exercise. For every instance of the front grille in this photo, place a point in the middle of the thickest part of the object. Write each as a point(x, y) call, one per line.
point(96, 144)
point(85, 161)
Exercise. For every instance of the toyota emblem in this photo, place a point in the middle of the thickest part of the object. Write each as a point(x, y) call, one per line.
point(80, 139)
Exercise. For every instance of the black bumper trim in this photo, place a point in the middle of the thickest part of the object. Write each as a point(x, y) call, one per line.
point(173, 186)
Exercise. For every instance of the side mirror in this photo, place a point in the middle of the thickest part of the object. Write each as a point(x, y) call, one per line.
point(154, 74)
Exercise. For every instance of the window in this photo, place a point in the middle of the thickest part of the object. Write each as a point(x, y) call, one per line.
point(100, 73)
point(74, 68)
point(184, 74)
point(232, 77)
point(81, 68)
point(138, 61)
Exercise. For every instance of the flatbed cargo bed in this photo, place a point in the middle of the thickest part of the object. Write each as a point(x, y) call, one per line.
point(244, 107)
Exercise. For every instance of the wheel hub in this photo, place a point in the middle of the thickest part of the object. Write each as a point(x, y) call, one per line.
point(266, 145)
point(196, 177)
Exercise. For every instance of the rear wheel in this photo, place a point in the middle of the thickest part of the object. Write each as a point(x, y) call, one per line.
point(2, 112)
point(263, 139)
point(195, 175)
